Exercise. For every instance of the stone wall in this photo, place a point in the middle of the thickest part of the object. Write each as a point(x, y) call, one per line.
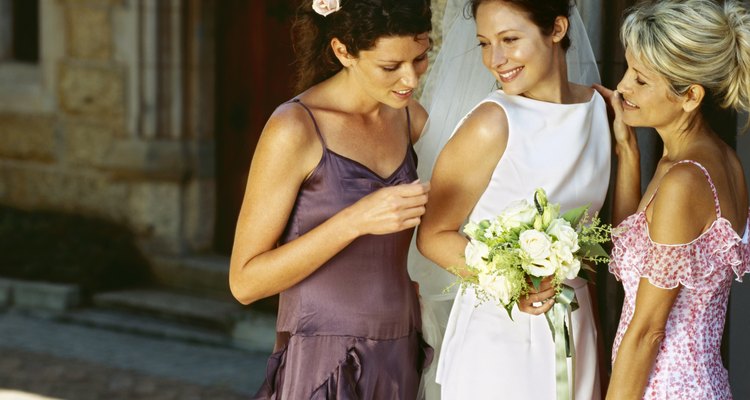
point(79, 144)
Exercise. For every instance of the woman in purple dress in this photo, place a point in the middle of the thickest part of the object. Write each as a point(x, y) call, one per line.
point(331, 202)
point(679, 246)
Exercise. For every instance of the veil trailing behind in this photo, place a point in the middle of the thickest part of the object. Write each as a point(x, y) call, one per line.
point(456, 83)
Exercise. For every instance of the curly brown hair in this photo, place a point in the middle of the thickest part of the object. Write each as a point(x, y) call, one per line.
point(358, 25)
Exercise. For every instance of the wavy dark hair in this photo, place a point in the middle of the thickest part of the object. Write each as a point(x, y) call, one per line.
point(358, 25)
point(541, 12)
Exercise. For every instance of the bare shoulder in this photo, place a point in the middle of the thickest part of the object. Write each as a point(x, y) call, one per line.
point(290, 126)
point(418, 116)
point(683, 205)
point(487, 124)
point(684, 178)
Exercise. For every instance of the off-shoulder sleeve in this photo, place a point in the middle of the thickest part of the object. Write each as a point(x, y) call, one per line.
point(699, 264)
point(667, 266)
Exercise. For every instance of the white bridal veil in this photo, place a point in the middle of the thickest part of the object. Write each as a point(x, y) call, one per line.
point(456, 83)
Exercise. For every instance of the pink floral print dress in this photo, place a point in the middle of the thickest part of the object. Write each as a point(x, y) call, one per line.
point(689, 364)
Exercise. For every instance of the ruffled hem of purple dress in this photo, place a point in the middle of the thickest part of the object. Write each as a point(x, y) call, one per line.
point(346, 368)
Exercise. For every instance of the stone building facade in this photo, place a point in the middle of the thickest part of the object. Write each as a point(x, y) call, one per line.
point(115, 118)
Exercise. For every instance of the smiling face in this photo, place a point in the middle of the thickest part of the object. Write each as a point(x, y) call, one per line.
point(521, 58)
point(648, 100)
point(389, 72)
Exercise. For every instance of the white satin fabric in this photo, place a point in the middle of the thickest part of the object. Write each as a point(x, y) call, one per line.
point(565, 149)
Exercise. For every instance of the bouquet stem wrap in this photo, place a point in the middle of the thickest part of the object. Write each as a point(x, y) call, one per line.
point(559, 320)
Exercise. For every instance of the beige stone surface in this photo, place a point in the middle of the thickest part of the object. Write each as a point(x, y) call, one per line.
point(86, 143)
point(92, 90)
point(154, 212)
point(139, 160)
point(89, 32)
point(49, 187)
point(27, 137)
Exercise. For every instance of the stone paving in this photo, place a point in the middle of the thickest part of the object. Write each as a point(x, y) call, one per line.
point(39, 356)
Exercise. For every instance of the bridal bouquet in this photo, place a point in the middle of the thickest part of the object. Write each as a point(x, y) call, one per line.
point(522, 246)
point(527, 243)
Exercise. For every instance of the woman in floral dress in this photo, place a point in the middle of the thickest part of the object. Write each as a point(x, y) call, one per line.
point(679, 245)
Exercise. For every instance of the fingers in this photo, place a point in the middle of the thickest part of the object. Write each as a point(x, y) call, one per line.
point(542, 307)
point(616, 102)
point(536, 303)
point(608, 95)
point(544, 286)
point(605, 92)
point(540, 295)
point(412, 189)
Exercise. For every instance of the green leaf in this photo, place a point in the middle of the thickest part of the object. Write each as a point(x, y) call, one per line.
point(593, 250)
point(509, 308)
point(536, 281)
point(574, 216)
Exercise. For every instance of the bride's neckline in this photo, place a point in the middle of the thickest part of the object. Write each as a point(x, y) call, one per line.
point(529, 99)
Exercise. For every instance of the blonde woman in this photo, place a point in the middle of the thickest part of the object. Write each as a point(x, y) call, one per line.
point(680, 244)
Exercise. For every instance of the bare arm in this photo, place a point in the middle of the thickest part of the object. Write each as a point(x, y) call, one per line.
point(477, 148)
point(679, 216)
point(627, 192)
point(287, 152)
point(640, 345)
point(461, 174)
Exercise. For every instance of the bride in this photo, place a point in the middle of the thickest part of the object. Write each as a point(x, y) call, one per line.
point(539, 131)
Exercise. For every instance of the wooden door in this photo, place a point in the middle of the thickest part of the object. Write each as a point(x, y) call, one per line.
point(253, 76)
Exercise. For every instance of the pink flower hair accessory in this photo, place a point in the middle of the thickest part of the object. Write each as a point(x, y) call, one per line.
point(326, 7)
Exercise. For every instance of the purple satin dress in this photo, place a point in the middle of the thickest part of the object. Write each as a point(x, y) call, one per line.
point(351, 329)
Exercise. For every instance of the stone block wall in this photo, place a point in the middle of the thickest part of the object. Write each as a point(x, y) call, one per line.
point(85, 151)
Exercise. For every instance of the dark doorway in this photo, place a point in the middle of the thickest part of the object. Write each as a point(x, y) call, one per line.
point(253, 76)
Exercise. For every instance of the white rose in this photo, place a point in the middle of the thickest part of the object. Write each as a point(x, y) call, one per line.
point(516, 214)
point(563, 252)
point(537, 245)
point(498, 286)
point(476, 254)
point(569, 270)
point(564, 233)
point(542, 268)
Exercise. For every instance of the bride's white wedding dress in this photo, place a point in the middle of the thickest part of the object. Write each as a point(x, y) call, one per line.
point(565, 149)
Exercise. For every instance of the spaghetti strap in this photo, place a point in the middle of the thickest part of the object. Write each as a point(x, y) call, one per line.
point(317, 129)
point(717, 207)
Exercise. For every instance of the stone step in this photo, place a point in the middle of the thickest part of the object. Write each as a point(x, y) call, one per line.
point(166, 313)
point(120, 321)
point(201, 274)
point(189, 308)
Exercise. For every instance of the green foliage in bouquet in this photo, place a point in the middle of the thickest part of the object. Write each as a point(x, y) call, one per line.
point(527, 243)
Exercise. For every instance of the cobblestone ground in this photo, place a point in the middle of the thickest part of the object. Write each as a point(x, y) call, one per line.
point(71, 362)
point(63, 378)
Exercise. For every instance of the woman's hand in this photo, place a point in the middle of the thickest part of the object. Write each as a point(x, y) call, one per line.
point(391, 209)
point(538, 301)
point(624, 134)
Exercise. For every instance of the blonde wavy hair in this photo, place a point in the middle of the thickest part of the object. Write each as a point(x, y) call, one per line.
point(689, 42)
